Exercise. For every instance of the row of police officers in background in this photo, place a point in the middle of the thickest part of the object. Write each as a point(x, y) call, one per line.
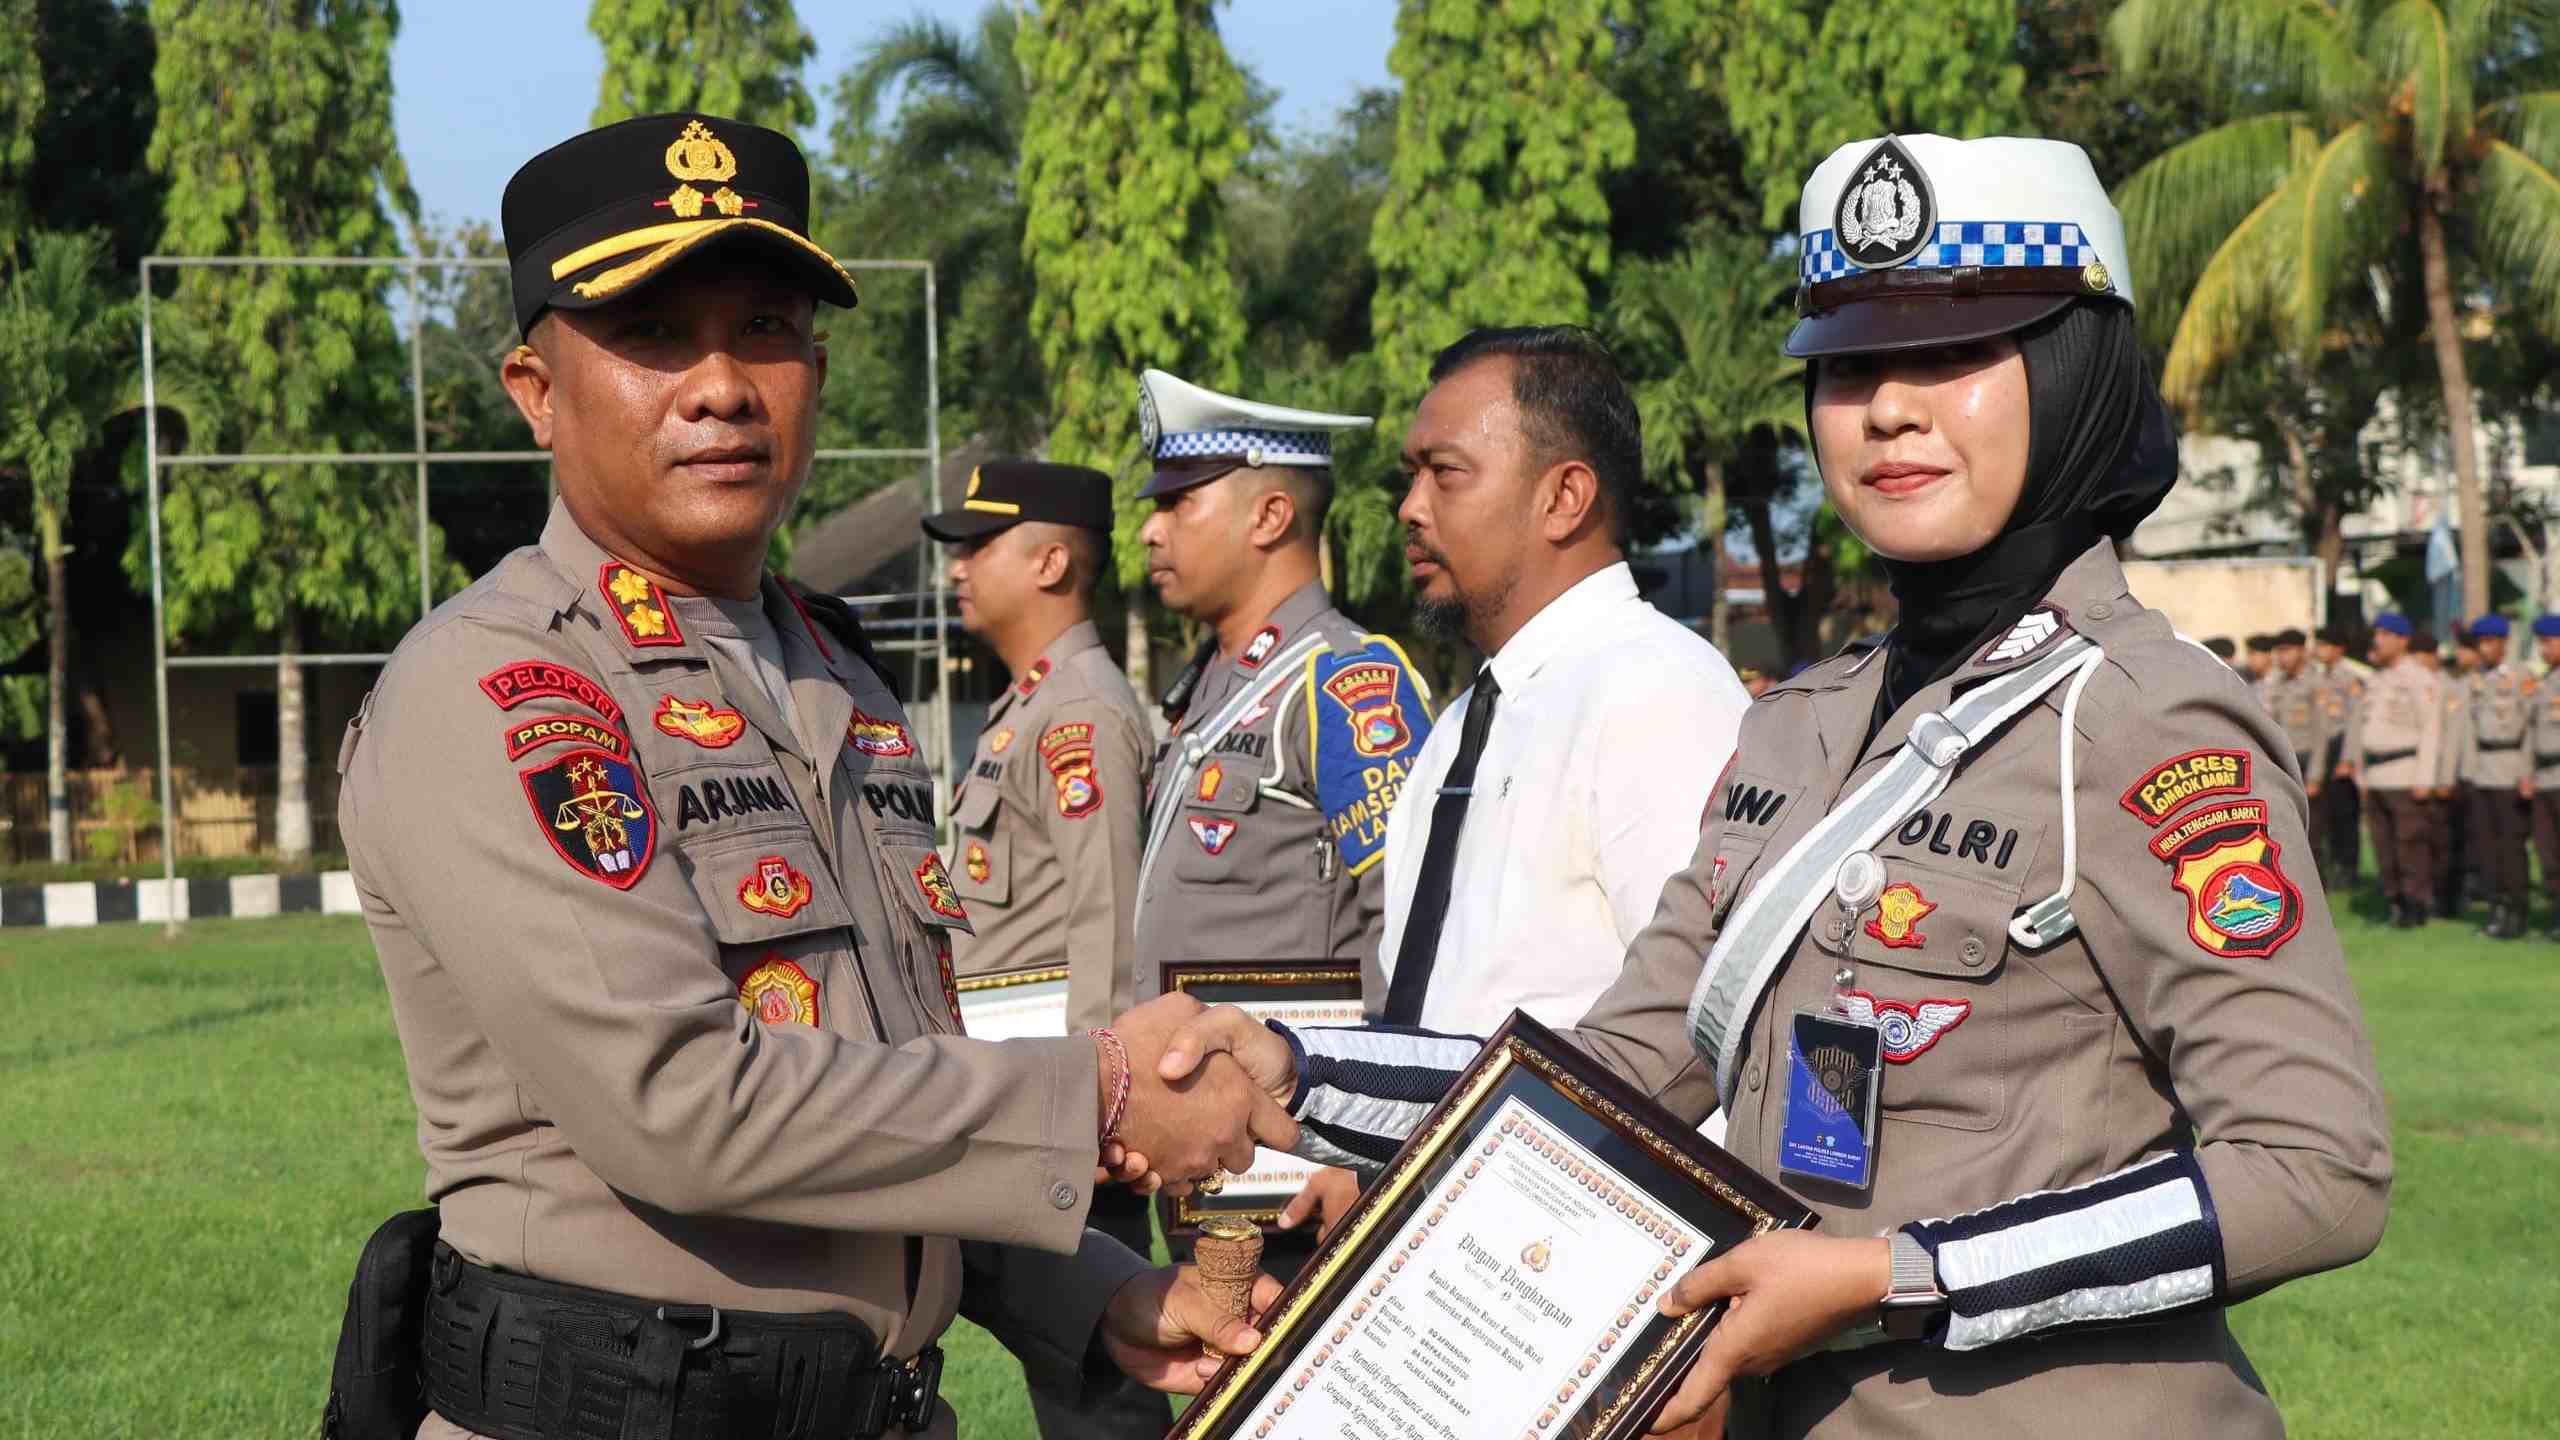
point(2453, 766)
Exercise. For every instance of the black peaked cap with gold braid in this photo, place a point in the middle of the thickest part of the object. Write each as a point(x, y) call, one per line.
point(602, 214)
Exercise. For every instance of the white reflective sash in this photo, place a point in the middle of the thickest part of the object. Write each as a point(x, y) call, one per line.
point(1189, 750)
point(1766, 921)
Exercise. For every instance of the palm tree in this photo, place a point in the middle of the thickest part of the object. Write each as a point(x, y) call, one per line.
point(2368, 138)
point(66, 344)
point(1702, 332)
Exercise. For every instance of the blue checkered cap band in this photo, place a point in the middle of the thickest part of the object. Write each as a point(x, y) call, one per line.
point(1988, 243)
point(1277, 447)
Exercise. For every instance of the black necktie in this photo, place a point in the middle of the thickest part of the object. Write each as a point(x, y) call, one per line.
point(1430, 908)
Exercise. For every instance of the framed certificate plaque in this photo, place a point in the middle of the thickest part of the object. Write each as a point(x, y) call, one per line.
point(1293, 992)
point(1499, 1279)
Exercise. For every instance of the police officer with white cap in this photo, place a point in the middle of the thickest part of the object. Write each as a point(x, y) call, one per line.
point(2123, 1079)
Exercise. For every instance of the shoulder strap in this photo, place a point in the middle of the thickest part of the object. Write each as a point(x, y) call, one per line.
point(1766, 921)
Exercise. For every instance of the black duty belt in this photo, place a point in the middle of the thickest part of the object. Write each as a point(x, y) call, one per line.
point(2385, 757)
point(2496, 745)
point(526, 1359)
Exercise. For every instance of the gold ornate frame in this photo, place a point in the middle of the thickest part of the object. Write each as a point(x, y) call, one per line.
point(1521, 1044)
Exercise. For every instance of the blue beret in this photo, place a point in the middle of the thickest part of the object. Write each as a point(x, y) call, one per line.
point(2547, 626)
point(2392, 622)
point(2489, 625)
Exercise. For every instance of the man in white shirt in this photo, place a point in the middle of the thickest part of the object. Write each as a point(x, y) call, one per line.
point(1517, 874)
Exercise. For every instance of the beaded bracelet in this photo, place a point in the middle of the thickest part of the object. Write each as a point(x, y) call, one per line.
point(1117, 1056)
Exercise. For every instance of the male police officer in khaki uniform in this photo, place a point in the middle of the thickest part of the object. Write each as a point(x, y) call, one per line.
point(2292, 693)
point(2496, 709)
point(2336, 806)
point(675, 996)
point(2448, 810)
point(2393, 753)
point(1047, 846)
point(1292, 727)
point(2541, 787)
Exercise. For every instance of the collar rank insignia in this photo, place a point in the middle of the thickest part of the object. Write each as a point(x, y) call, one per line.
point(1032, 677)
point(1368, 690)
point(775, 889)
point(699, 721)
point(2034, 631)
point(874, 736)
point(638, 605)
point(934, 884)
point(596, 815)
point(779, 992)
point(1888, 211)
point(1259, 648)
point(1002, 742)
point(1212, 775)
point(1213, 835)
point(1068, 752)
point(975, 861)
point(1907, 1030)
point(2238, 899)
point(1899, 911)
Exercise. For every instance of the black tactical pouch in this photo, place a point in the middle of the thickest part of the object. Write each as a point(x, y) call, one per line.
point(377, 1390)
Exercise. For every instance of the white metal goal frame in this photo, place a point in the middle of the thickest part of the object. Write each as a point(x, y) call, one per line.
point(932, 646)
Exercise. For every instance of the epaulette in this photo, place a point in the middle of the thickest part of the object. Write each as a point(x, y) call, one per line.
point(831, 614)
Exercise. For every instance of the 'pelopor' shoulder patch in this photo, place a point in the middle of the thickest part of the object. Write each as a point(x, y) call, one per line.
point(2230, 869)
point(2165, 788)
point(509, 686)
point(1365, 719)
point(1067, 749)
point(595, 812)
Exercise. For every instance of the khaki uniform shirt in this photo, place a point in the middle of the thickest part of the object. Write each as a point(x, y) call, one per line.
point(2249, 1052)
point(1267, 820)
point(1048, 837)
point(2341, 689)
point(673, 985)
point(2297, 703)
point(2395, 737)
point(2496, 706)
point(2542, 733)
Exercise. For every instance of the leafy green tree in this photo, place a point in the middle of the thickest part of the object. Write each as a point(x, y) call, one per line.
point(21, 109)
point(88, 169)
point(1702, 335)
point(1805, 77)
point(2352, 130)
point(67, 345)
point(1136, 117)
point(275, 138)
point(725, 57)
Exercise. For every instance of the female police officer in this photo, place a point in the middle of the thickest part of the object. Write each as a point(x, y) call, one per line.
point(2032, 868)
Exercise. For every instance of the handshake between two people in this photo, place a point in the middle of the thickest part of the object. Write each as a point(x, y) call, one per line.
point(1188, 1091)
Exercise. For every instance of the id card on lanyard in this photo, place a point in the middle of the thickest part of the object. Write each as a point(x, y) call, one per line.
point(1833, 1063)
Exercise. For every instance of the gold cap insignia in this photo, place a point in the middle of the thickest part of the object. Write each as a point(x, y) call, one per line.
point(2097, 279)
point(697, 154)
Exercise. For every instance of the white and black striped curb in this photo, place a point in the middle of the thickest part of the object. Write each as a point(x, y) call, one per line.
point(104, 902)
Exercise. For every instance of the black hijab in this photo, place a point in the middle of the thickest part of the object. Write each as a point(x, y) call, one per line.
point(2100, 455)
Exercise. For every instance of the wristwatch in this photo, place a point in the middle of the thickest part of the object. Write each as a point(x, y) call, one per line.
point(1912, 1302)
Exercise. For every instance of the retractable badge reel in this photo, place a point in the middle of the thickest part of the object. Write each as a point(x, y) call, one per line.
point(1829, 1132)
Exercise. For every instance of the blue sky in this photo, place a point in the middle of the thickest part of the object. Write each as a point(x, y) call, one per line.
point(482, 85)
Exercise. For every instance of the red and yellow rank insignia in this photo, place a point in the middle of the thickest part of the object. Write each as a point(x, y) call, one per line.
point(1899, 911)
point(638, 605)
point(775, 888)
point(595, 812)
point(1032, 677)
point(523, 737)
point(2163, 788)
point(699, 721)
point(975, 861)
point(1001, 742)
point(874, 736)
point(779, 992)
point(934, 883)
point(1068, 752)
point(1212, 775)
point(2238, 899)
point(1368, 690)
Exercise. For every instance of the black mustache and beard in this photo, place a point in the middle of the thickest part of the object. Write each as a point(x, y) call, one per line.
point(1457, 616)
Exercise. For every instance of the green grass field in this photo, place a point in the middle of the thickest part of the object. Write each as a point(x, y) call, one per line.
point(195, 1136)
